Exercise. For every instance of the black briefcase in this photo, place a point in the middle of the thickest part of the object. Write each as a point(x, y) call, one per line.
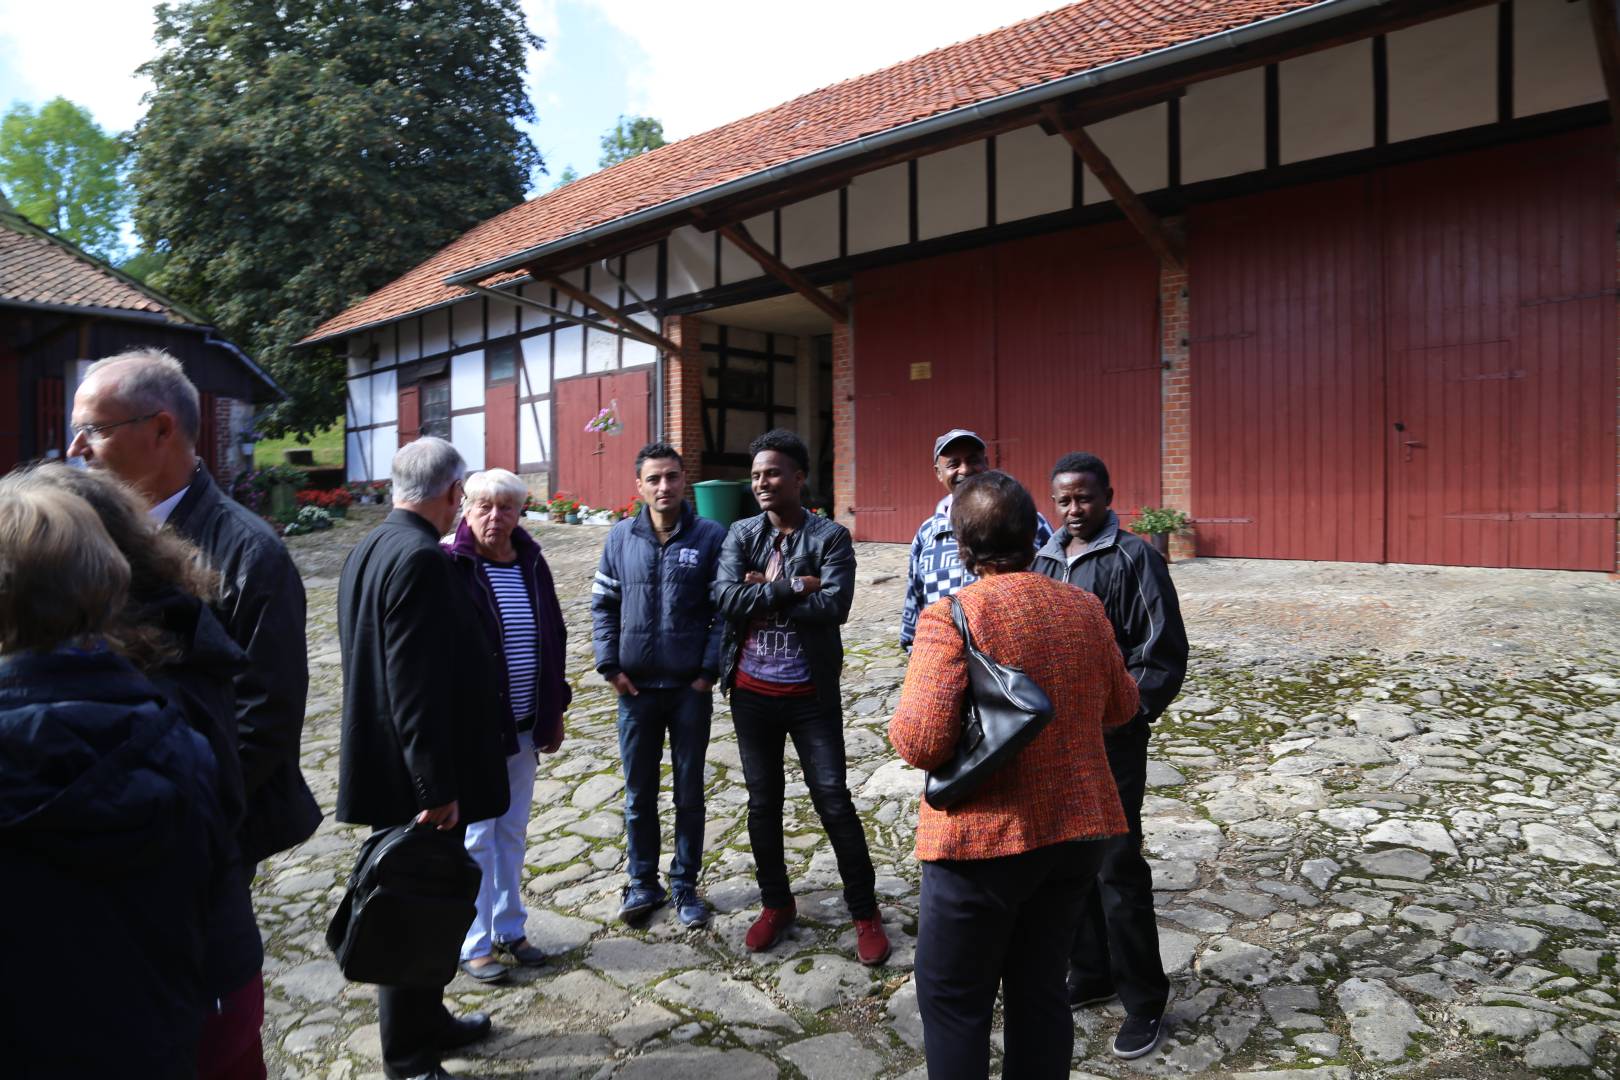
point(1004, 709)
point(411, 897)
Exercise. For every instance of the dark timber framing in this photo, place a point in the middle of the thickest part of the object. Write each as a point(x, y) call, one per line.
point(1165, 246)
point(738, 234)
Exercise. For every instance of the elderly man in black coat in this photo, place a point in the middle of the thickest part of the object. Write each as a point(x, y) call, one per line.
point(425, 736)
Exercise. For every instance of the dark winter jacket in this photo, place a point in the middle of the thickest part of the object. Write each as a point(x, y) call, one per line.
point(651, 614)
point(1133, 583)
point(552, 692)
point(820, 548)
point(261, 604)
point(111, 840)
point(423, 719)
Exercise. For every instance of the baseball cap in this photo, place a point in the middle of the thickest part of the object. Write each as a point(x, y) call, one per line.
point(951, 436)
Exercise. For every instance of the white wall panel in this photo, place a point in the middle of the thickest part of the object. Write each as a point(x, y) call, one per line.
point(568, 355)
point(1442, 75)
point(810, 230)
point(502, 318)
point(952, 188)
point(1034, 174)
point(359, 414)
point(467, 433)
point(601, 351)
point(1138, 144)
point(359, 359)
point(1555, 63)
point(1326, 103)
point(384, 444)
point(357, 456)
point(467, 380)
point(1223, 127)
point(534, 432)
point(641, 271)
point(436, 332)
point(531, 317)
point(467, 322)
point(386, 356)
point(385, 397)
point(878, 213)
point(734, 265)
point(410, 339)
point(638, 353)
point(536, 365)
point(691, 261)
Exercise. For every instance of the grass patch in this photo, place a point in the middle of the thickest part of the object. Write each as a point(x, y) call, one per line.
point(327, 444)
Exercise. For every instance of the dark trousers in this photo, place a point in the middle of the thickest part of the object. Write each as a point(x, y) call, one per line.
point(643, 719)
point(763, 726)
point(1007, 922)
point(413, 1021)
point(1117, 941)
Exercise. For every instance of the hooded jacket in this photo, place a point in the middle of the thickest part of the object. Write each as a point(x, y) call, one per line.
point(111, 833)
point(1133, 583)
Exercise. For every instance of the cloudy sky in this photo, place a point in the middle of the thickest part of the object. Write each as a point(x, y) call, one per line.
point(693, 64)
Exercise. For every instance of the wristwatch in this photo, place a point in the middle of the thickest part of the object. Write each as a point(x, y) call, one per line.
point(797, 585)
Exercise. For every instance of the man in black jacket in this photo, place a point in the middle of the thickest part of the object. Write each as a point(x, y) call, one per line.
point(1116, 947)
point(425, 732)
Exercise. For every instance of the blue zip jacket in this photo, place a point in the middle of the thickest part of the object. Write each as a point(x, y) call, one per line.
point(651, 615)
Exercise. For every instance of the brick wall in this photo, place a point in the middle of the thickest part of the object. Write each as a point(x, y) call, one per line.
point(843, 402)
point(683, 393)
point(1175, 451)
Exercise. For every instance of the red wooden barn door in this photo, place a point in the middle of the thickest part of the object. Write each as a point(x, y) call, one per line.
point(500, 427)
point(630, 389)
point(410, 413)
point(1501, 357)
point(597, 469)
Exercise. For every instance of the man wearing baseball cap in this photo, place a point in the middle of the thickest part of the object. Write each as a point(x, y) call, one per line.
point(935, 571)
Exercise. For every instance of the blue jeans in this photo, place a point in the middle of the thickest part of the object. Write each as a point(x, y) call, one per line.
point(497, 846)
point(643, 719)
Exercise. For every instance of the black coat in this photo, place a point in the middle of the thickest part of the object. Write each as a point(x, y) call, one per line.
point(423, 720)
point(111, 839)
point(262, 607)
point(820, 549)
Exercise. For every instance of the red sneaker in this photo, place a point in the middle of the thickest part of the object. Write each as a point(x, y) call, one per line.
point(767, 929)
point(871, 943)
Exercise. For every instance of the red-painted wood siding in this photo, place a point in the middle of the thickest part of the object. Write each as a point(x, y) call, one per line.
point(1043, 346)
point(600, 470)
point(410, 416)
point(500, 427)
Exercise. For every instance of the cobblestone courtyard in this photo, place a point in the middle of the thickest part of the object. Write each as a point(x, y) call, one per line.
point(1384, 819)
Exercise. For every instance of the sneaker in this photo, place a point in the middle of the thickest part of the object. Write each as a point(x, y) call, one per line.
point(1084, 993)
point(639, 902)
point(1139, 1035)
point(767, 929)
point(689, 907)
point(871, 942)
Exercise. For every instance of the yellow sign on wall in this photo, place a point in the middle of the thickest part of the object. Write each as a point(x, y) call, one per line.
point(922, 370)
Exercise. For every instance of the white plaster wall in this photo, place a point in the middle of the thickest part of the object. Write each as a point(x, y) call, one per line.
point(385, 397)
point(359, 445)
point(467, 380)
point(536, 365)
point(384, 444)
point(386, 356)
point(1326, 103)
point(601, 351)
point(467, 322)
point(359, 414)
point(734, 265)
point(1223, 127)
point(436, 332)
point(467, 433)
point(1034, 174)
point(1555, 62)
point(410, 339)
point(531, 317)
point(952, 191)
point(691, 261)
point(641, 271)
point(534, 432)
point(1442, 75)
point(810, 230)
point(359, 362)
point(502, 318)
point(877, 209)
point(638, 353)
point(1138, 143)
point(568, 355)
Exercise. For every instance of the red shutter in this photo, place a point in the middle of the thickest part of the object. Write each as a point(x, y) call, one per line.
point(410, 414)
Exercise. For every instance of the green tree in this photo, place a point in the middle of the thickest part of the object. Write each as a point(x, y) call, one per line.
point(62, 172)
point(567, 176)
point(629, 137)
point(299, 154)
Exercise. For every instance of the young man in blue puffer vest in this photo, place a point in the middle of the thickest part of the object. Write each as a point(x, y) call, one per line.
point(658, 642)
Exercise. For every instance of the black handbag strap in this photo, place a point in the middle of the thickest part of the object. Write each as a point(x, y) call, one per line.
point(959, 617)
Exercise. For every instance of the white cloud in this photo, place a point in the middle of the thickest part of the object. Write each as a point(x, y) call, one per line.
point(84, 50)
point(710, 63)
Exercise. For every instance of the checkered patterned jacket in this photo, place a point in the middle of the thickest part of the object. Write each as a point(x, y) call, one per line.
point(1057, 788)
point(935, 572)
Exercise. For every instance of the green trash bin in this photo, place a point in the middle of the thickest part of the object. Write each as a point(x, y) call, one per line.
point(720, 500)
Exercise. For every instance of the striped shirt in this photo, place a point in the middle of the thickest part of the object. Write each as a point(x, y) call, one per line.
point(519, 636)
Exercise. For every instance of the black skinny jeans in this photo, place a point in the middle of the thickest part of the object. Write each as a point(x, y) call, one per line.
point(763, 727)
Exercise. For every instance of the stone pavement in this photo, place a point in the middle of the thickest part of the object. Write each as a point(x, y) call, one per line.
point(1384, 819)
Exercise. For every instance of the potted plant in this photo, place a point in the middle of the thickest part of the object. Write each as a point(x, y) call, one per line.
point(561, 505)
point(574, 516)
point(533, 508)
point(1157, 523)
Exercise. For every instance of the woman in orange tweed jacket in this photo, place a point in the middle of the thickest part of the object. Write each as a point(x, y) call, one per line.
point(1005, 871)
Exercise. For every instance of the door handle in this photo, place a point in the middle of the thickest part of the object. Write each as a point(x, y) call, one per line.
point(1412, 444)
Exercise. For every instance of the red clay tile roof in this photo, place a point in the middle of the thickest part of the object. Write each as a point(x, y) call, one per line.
point(1071, 40)
point(37, 268)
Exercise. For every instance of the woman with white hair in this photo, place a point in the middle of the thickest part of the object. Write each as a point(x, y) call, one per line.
point(510, 585)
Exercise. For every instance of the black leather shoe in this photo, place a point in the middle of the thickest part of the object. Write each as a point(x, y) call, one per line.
point(436, 1074)
point(466, 1030)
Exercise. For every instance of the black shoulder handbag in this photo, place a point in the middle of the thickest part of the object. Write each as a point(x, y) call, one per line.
point(1002, 711)
point(411, 898)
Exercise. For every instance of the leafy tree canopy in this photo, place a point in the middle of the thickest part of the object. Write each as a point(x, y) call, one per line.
point(61, 171)
point(568, 175)
point(630, 136)
point(299, 154)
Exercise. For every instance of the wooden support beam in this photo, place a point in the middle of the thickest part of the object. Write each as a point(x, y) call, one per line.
point(1165, 246)
point(738, 234)
point(611, 314)
point(1606, 33)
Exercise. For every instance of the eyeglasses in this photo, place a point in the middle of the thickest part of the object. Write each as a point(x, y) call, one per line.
point(98, 431)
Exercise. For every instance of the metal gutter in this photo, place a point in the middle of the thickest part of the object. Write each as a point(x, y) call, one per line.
point(247, 361)
point(1017, 99)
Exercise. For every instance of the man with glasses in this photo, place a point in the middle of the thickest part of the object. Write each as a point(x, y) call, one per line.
point(137, 416)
